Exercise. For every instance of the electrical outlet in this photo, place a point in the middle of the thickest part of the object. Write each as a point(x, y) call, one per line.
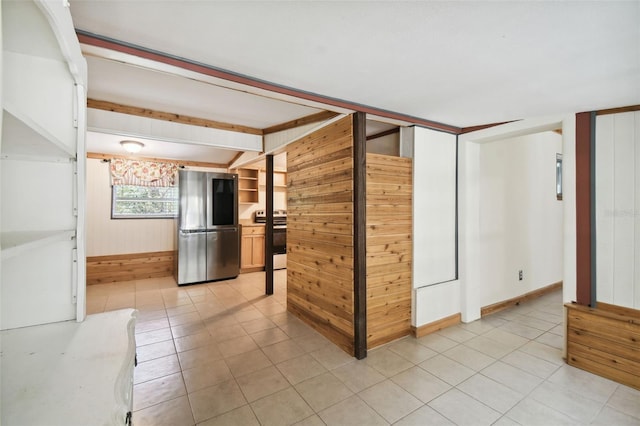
point(520, 275)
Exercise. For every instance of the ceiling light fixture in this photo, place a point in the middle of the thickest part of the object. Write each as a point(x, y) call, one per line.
point(132, 146)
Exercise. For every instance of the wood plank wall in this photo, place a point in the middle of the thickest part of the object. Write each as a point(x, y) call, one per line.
point(389, 248)
point(127, 267)
point(320, 231)
point(605, 341)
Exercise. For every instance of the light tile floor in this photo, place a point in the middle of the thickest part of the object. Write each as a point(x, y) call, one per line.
point(224, 354)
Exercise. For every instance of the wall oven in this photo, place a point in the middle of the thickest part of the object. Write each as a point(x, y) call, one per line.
point(279, 236)
point(279, 246)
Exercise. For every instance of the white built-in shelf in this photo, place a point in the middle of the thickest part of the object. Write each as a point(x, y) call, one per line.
point(20, 140)
point(69, 373)
point(16, 243)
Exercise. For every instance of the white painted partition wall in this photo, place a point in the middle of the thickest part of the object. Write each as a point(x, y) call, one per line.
point(618, 209)
point(436, 290)
point(434, 207)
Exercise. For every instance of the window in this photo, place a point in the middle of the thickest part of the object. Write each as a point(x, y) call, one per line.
point(131, 202)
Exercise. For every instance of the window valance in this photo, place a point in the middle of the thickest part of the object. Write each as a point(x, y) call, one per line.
point(143, 173)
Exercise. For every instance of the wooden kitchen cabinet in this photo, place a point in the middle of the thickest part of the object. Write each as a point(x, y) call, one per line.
point(252, 249)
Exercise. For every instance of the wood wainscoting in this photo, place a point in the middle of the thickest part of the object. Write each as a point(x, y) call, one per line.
point(605, 341)
point(127, 267)
point(438, 325)
point(497, 307)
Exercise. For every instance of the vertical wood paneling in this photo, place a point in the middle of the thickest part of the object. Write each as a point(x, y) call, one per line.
point(320, 231)
point(605, 204)
point(636, 216)
point(389, 248)
point(106, 236)
point(624, 193)
point(618, 209)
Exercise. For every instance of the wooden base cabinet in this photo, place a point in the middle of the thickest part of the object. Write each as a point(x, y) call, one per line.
point(252, 250)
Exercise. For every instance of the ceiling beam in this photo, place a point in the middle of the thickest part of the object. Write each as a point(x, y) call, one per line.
point(313, 118)
point(631, 108)
point(85, 37)
point(185, 163)
point(482, 127)
point(169, 116)
point(234, 159)
point(384, 133)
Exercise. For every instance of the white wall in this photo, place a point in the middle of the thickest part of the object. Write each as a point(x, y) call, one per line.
point(436, 290)
point(120, 236)
point(106, 236)
point(434, 207)
point(385, 145)
point(521, 221)
point(618, 209)
point(475, 236)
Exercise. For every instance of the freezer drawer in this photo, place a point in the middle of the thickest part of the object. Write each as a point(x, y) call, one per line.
point(223, 253)
point(192, 257)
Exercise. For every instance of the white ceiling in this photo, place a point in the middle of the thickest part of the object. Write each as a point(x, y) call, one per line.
point(459, 63)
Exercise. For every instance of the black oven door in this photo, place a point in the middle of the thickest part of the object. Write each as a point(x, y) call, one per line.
point(279, 240)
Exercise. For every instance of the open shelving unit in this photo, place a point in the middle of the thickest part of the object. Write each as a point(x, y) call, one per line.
point(279, 179)
point(59, 368)
point(43, 111)
point(248, 186)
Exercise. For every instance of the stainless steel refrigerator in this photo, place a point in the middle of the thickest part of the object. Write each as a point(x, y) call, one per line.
point(208, 232)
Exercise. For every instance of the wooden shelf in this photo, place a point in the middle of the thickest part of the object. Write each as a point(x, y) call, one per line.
point(248, 186)
point(279, 180)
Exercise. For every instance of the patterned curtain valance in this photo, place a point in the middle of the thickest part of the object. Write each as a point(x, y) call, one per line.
point(143, 173)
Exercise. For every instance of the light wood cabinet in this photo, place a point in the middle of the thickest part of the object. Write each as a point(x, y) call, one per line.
point(252, 250)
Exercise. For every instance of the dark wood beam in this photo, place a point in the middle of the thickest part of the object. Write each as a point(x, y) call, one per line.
point(268, 241)
point(235, 158)
point(631, 108)
point(359, 235)
point(90, 39)
point(313, 118)
point(169, 116)
point(585, 293)
point(101, 156)
point(483, 126)
point(383, 134)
